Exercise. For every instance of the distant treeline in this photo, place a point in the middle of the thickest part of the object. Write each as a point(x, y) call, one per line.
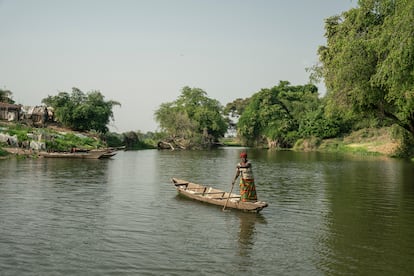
point(367, 65)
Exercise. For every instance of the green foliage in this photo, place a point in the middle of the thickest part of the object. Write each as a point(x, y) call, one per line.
point(131, 140)
point(54, 141)
point(230, 142)
point(59, 145)
point(65, 142)
point(6, 96)
point(406, 147)
point(3, 152)
point(309, 144)
point(81, 111)
point(193, 116)
point(236, 107)
point(113, 139)
point(319, 124)
point(368, 63)
point(20, 131)
point(136, 140)
point(151, 139)
point(275, 114)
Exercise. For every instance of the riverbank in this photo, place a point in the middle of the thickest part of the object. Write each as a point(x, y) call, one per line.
point(23, 141)
point(370, 141)
point(365, 141)
point(13, 151)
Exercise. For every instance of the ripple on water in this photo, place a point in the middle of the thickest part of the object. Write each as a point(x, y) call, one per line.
point(326, 215)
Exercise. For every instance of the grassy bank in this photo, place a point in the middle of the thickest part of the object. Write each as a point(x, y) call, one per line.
point(230, 142)
point(370, 141)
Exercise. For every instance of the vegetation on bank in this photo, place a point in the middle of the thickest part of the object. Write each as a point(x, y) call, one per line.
point(192, 121)
point(368, 71)
point(50, 138)
point(58, 139)
point(367, 62)
point(366, 65)
point(367, 141)
point(3, 152)
point(132, 140)
point(79, 121)
point(82, 112)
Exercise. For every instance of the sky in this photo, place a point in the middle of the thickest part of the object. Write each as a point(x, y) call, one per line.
point(141, 53)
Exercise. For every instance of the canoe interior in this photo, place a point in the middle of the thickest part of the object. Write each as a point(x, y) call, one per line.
point(215, 196)
point(92, 154)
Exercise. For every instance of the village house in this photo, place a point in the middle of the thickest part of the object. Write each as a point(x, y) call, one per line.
point(37, 115)
point(10, 112)
point(32, 115)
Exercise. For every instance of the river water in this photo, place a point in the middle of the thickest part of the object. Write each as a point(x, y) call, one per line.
point(328, 214)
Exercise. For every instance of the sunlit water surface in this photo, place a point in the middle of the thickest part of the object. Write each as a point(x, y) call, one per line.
point(328, 215)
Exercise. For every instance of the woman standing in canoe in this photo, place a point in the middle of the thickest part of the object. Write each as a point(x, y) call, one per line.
point(247, 186)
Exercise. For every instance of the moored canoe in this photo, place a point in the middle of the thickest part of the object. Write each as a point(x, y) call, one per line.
point(93, 154)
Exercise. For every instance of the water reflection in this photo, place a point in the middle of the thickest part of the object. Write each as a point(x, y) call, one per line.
point(247, 222)
point(247, 231)
point(55, 208)
point(327, 214)
point(215, 168)
point(364, 223)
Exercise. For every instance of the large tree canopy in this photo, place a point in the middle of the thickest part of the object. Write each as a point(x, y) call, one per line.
point(368, 62)
point(276, 114)
point(82, 111)
point(236, 107)
point(192, 115)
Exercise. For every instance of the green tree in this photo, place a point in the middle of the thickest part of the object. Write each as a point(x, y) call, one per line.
point(193, 117)
point(233, 111)
point(131, 139)
point(273, 115)
point(368, 63)
point(113, 139)
point(236, 107)
point(81, 111)
point(6, 96)
point(317, 123)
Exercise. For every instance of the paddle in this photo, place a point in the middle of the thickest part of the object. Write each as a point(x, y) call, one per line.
point(232, 186)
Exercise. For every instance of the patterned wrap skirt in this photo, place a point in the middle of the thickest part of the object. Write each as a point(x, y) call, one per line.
point(247, 190)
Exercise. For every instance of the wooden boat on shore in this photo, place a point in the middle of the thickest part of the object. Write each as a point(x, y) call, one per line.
point(215, 196)
point(108, 154)
point(92, 154)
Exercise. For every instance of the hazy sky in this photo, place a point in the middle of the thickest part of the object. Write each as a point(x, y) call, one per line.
point(142, 53)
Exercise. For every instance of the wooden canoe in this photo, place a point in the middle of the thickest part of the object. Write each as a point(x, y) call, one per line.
point(215, 196)
point(93, 154)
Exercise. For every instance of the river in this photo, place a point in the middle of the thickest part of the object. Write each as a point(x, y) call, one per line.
point(328, 214)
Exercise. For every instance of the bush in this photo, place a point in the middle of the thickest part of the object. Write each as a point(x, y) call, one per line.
point(406, 148)
point(309, 144)
point(20, 131)
point(68, 141)
point(113, 139)
point(3, 152)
